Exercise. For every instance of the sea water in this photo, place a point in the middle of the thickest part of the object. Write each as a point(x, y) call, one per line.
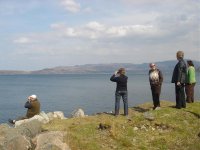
point(92, 92)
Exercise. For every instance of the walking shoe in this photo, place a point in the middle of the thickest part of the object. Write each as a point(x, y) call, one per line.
point(11, 121)
point(157, 108)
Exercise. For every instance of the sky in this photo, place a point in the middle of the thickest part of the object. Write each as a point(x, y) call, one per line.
point(37, 34)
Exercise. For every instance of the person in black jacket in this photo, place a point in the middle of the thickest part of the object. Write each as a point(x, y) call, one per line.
point(155, 80)
point(179, 78)
point(121, 90)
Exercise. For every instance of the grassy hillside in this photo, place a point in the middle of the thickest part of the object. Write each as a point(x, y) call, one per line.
point(145, 129)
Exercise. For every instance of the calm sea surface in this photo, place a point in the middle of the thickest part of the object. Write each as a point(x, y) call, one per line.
point(91, 92)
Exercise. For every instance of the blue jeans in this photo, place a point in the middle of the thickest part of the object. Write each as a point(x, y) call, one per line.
point(118, 95)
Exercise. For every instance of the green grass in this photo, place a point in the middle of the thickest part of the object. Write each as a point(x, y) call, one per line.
point(172, 129)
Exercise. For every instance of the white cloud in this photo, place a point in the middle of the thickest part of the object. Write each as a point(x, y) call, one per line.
point(96, 30)
point(95, 26)
point(22, 40)
point(71, 5)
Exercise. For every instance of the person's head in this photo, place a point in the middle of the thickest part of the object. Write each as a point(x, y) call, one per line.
point(32, 97)
point(190, 63)
point(152, 66)
point(122, 71)
point(180, 55)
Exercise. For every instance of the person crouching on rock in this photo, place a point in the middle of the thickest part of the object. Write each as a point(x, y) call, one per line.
point(121, 90)
point(33, 108)
point(155, 80)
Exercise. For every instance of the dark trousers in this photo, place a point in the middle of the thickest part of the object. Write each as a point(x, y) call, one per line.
point(118, 95)
point(180, 96)
point(189, 89)
point(155, 90)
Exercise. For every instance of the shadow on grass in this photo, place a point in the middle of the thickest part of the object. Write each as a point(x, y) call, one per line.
point(107, 113)
point(195, 114)
point(175, 107)
point(140, 109)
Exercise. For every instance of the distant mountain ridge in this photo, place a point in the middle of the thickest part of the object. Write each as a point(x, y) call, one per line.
point(165, 66)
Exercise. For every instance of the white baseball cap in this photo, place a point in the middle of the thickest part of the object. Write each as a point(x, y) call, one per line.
point(33, 96)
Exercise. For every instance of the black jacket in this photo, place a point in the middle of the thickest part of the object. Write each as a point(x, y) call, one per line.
point(121, 82)
point(180, 72)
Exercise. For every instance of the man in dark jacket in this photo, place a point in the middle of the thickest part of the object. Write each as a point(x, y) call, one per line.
point(179, 78)
point(155, 80)
point(121, 90)
point(33, 108)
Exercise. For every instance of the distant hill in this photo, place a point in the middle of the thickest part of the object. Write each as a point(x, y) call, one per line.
point(13, 72)
point(165, 66)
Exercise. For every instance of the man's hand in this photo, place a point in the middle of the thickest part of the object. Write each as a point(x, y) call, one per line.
point(178, 83)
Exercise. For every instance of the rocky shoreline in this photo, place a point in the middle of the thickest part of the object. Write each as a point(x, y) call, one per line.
point(28, 134)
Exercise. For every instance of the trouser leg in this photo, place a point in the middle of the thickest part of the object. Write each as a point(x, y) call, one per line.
point(192, 92)
point(188, 90)
point(125, 101)
point(155, 95)
point(178, 96)
point(187, 93)
point(182, 96)
point(157, 100)
point(154, 99)
point(117, 103)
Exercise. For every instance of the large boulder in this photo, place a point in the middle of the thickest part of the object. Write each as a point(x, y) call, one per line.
point(17, 142)
point(11, 139)
point(50, 141)
point(30, 129)
point(78, 113)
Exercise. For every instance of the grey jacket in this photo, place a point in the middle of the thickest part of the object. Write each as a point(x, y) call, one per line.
point(180, 72)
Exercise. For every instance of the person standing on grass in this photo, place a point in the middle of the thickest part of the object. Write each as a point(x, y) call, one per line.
point(155, 80)
point(179, 79)
point(191, 81)
point(121, 90)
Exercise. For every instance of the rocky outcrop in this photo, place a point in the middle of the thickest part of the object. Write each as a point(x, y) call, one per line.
point(27, 134)
point(42, 117)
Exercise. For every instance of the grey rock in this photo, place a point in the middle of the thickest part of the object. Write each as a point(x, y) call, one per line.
point(17, 142)
point(149, 116)
point(78, 113)
point(30, 129)
point(50, 141)
point(11, 139)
